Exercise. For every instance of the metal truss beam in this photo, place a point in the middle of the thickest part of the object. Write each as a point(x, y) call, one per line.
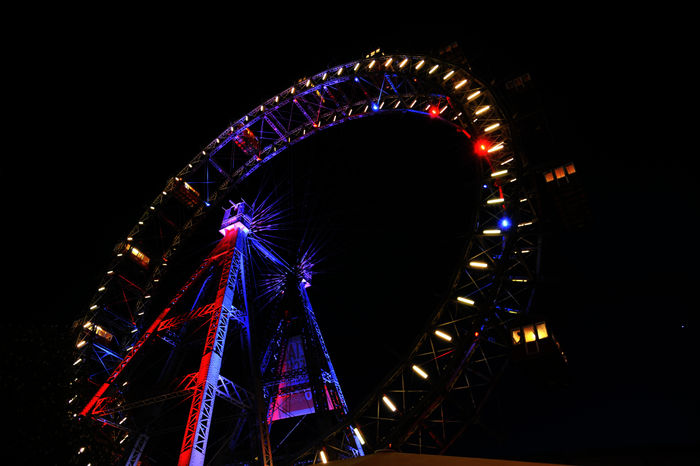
point(194, 443)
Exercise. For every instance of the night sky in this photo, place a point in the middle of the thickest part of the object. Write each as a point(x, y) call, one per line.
point(109, 109)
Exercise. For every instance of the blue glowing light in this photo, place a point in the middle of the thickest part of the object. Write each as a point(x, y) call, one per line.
point(375, 107)
point(357, 80)
point(505, 223)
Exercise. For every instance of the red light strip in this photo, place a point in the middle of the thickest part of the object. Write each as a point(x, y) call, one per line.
point(218, 251)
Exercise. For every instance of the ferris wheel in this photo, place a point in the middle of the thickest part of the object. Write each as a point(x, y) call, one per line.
point(141, 377)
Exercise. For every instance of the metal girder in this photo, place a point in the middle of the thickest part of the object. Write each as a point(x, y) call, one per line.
point(137, 450)
point(194, 443)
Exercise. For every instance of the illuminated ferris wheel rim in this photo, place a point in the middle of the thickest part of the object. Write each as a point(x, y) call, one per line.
point(385, 84)
point(379, 84)
point(462, 93)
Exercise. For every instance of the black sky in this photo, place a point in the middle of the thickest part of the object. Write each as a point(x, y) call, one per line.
point(114, 105)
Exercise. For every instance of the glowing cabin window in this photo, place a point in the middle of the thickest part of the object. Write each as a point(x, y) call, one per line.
point(141, 258)
point(560, 172)
point(516, 336)
point(541, 330)
point(529, 333)
point(186, 194)
point(99, 331)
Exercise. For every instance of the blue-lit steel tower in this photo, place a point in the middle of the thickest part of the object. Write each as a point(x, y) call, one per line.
point(292, 379)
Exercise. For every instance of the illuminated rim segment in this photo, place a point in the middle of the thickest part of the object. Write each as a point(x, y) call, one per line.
point(493, 286)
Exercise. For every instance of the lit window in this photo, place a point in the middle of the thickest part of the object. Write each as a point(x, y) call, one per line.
point(529, 332)
point(516, 336)
point(141, 258)
point(541, 330)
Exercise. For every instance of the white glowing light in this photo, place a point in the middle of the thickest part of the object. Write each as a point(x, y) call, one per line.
point(388, 403)
point(464, 300)
point(460, 84)
point(448, 75)
point(359, 436)
point(443, 335)
point(478, 264)
point(419, 371)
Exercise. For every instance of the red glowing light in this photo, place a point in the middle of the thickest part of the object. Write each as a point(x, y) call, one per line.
point(481, 147)
point(434, 111)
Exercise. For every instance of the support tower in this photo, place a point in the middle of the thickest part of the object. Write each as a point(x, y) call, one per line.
point(250, 375)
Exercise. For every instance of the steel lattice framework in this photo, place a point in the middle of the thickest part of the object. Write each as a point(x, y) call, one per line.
point(428, 401)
